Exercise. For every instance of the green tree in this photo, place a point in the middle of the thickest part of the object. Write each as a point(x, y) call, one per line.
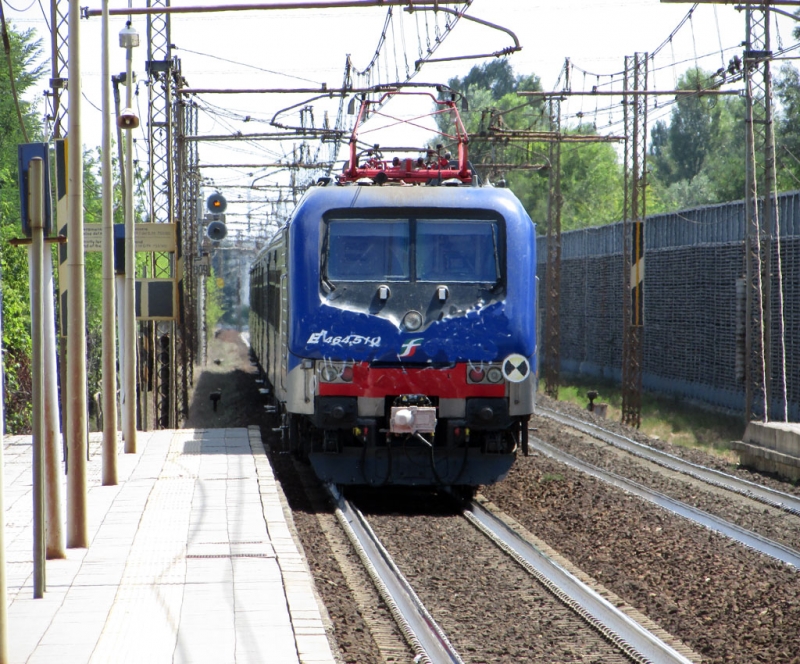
point(678, 150)
point(214, 308)
point(25, 51)
point(591, 176)
point(698, 157)
point(787, 89)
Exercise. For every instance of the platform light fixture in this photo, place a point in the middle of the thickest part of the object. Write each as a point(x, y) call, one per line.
point(128, 37)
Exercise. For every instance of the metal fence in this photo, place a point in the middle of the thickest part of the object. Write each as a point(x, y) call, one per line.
point(694, 304)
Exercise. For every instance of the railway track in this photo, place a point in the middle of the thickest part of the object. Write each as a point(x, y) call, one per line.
point(637, 642)
point(426, 638)
point(750, 539)
point(634, 641)
point(785, 501)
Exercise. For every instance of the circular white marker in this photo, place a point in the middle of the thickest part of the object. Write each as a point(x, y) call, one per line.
point(516, 368)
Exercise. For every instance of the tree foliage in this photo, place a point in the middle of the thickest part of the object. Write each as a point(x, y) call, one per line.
point(25, 51)
point(591, 176)
point(787, 157)
point(698, 157)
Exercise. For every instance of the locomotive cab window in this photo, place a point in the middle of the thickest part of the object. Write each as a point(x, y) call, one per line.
point(368, 250)
point(443, 250)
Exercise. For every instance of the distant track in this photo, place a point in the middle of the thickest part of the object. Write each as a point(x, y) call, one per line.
point(785, 501)
point(747, 538)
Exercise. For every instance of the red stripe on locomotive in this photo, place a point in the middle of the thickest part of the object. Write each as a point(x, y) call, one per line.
point(449, 383)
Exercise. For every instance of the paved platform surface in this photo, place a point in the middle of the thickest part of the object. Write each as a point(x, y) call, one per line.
point(191, 559)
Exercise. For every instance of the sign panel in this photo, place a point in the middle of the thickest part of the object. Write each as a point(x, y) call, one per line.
point(156, 299)
point(148, 237)
point(26, 152)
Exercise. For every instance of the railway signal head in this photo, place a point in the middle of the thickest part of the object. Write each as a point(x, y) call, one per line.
point(216, 203)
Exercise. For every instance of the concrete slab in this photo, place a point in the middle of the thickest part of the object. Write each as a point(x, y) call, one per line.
point(191, 560)
point(772, 447)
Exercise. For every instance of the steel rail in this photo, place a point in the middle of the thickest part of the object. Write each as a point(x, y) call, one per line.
point(636, 641)
point(785, 501)
point(742, 536)
point(419, 628)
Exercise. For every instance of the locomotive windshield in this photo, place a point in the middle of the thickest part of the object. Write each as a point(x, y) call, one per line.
point(437, 250)
point(367, 250)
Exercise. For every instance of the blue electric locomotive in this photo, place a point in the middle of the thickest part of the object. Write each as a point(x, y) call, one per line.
point(396, 325)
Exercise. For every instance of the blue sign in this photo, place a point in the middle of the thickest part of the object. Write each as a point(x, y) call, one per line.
point(25, 153)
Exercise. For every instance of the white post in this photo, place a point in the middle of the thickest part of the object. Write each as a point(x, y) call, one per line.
point(129, 352)
point(121, 327)
point(35, 195)
point(55, 545)
point(109, 333)
point(77, 437)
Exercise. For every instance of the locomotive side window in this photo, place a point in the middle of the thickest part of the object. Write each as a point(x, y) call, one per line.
point(457, 251)
point(368, 250)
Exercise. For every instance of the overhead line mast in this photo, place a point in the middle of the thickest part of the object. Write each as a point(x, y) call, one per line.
point(761, 219)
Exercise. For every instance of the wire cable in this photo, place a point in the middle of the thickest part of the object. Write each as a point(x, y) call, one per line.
point(245, 64)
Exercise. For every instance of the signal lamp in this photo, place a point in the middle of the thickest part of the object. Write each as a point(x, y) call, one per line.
point(476, 375)
point(494, 375)
point(216, 203)
point(329, 374)
point(412, 320)
point(347, 374)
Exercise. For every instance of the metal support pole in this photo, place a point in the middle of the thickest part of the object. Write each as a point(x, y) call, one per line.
point(76, 434)
point(633, 238)
point(109, 296)
point(36, 258)
point(54, 531)
point(760, 164)
point(129, 352)
point(552, 344)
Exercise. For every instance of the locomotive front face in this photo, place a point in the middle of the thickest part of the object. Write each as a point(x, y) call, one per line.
point(412, 335)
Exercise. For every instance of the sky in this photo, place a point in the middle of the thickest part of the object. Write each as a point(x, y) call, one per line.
point(308, 48)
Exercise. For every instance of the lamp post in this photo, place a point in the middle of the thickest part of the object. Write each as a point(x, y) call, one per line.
point(76, 435)
point(109, 334)
point(129, 39)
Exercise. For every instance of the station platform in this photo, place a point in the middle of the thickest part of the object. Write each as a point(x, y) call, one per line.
point(772, 447)
point(191, 559)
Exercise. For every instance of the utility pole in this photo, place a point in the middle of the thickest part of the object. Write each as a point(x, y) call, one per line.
point(761, 223)
point(76, 434)
point(109, 359)
point(552, 340)
point(129, 39)
point(760, 170)
point(160, 71)
point(635, 211)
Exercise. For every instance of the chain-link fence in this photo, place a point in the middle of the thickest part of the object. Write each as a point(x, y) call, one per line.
point(695, 303)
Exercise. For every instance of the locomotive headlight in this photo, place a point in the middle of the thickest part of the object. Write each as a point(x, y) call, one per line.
point(329, 373)
point(494, 375)
point(476, 375)
point(412, 320)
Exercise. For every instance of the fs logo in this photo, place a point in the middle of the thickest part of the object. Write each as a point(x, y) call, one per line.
point(410, 347)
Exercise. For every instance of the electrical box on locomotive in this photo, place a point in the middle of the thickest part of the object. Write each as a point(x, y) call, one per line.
point(394, 318)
